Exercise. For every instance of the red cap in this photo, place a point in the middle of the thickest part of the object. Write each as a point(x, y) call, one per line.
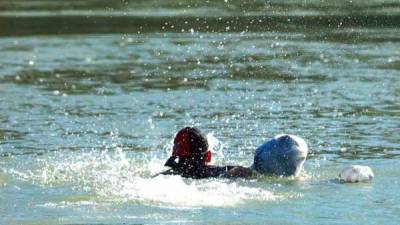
point(189, 140)
point(182, 144)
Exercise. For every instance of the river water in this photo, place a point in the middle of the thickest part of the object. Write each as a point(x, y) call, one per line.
point(91, 96)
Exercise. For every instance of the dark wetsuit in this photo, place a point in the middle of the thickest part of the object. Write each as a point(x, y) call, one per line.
point(199, 172)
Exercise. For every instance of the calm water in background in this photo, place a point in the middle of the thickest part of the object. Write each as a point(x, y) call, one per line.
point(88, 113)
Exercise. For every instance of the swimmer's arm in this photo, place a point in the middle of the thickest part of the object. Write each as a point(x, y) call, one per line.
point(167, 172)
point(240, 172)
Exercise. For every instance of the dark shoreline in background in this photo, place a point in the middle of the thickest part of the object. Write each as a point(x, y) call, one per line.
point(77, 24)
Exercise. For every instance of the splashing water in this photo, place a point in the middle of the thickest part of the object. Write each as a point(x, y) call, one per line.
point(119, 176)
point(334, 87)
point(215, 146)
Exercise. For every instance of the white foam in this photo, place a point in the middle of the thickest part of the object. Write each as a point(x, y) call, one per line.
point(215, 146)
point(182, 192)
point(112, 176)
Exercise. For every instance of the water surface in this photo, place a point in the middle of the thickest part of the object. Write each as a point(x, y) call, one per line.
point(87, 115)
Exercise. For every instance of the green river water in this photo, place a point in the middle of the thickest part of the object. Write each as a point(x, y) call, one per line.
point(93, 92)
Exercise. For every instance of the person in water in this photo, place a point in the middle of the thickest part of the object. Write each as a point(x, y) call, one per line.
point(191, 157)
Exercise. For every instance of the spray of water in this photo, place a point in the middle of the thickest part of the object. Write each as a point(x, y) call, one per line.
point(115, 175)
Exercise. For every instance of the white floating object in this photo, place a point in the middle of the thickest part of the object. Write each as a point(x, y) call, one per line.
point(356, 173)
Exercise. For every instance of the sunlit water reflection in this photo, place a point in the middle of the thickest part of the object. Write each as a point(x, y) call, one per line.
point(85, 120)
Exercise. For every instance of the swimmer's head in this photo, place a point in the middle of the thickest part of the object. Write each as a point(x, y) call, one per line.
point(191, 145)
